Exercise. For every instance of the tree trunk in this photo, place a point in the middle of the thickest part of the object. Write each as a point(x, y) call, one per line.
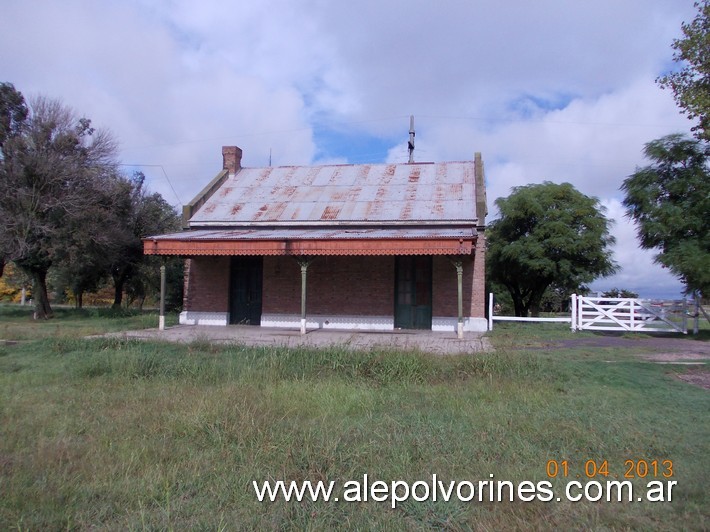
point(119, 281)
point(519, 307)
point(535, 299)
point(521, 310)
point(535, 309)
point(79, 300)
point(39, 292)
point(117, 293)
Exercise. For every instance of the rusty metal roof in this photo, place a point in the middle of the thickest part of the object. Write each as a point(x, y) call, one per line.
point(370, 194)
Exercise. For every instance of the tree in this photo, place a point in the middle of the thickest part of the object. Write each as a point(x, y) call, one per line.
point(13, 113)
point(557, 299)
point(547, 234)
point(12, 282)
point(670, 202)
point(51, 164)
point(90, 240)
point(620, 292)
point(145, 281)
point(139, 214)
point(691, 84)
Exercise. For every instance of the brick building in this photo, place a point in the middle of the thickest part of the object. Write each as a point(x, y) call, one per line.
point(381, 246)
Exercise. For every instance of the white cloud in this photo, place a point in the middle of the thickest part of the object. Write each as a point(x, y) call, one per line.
point(170, 97)
point(462, 57)
point(547, 90)
point(638, 272)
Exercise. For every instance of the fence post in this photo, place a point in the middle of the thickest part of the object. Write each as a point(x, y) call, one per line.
point(490, 311)
point(573, 310)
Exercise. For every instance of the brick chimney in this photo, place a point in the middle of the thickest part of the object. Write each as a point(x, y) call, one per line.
point(231, 158)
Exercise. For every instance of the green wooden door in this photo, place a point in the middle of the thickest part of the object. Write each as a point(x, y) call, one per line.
point(245, 290)
point(412, 293)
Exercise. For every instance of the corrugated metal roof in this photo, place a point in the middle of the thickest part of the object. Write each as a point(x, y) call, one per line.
point(285, 233)
point(344, 194)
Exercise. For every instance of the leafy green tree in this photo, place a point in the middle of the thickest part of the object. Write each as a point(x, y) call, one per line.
point(670, 202)
point(616, 292)
point(557, 299)
point(145, 282)
point(13, 113)
point(547, 234)
point(89, 241)
point(52, 163)
point(12, 282)
point(139, 214)
point(691, 84)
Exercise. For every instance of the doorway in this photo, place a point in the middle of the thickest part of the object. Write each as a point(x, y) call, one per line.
point(413, 292)
point(245, 285)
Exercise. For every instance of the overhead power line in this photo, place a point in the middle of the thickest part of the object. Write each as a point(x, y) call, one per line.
point(164, 173)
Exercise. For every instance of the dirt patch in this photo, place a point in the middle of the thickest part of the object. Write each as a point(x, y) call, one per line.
point(649, 345)
point(677, 357)
point(694, 354)
point(698, 378)
point(656, 350)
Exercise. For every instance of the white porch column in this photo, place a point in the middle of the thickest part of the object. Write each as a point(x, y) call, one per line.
point(161, 320)
point(304, 263)
point(458, 264)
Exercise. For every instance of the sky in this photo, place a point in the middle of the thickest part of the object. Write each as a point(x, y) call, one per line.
point(551, 90)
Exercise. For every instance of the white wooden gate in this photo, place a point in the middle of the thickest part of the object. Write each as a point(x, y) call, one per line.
point(627, 314)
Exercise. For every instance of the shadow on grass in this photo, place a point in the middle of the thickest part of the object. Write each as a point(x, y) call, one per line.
point(535, 336)
point(60, 313)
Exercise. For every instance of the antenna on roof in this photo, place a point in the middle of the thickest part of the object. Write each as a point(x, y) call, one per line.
point(411, 138)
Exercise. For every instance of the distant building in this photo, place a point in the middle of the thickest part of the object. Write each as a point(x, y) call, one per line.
point(378, 246)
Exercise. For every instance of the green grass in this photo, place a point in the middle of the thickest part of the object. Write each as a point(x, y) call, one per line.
point(123, 434)
point(16, 323)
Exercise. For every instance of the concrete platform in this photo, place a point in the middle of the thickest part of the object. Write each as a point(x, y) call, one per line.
point(426, 341)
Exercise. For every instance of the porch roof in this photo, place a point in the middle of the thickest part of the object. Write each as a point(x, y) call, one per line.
point(315, 241)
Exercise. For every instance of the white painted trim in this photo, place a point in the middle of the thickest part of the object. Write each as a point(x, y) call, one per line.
point(193, 317)
point(372, 323)
point(450, 324)
point(628, 314)
point(530, 318)
point(293, 321)
point(369, 323)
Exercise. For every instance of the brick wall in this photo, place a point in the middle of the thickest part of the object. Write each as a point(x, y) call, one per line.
point(478, 293)
point(445, 287)
point(207, 284)
point(361, 286)
point(336, 285)
point(281, 291)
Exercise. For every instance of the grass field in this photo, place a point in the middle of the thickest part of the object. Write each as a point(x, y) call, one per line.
point(119, 434)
